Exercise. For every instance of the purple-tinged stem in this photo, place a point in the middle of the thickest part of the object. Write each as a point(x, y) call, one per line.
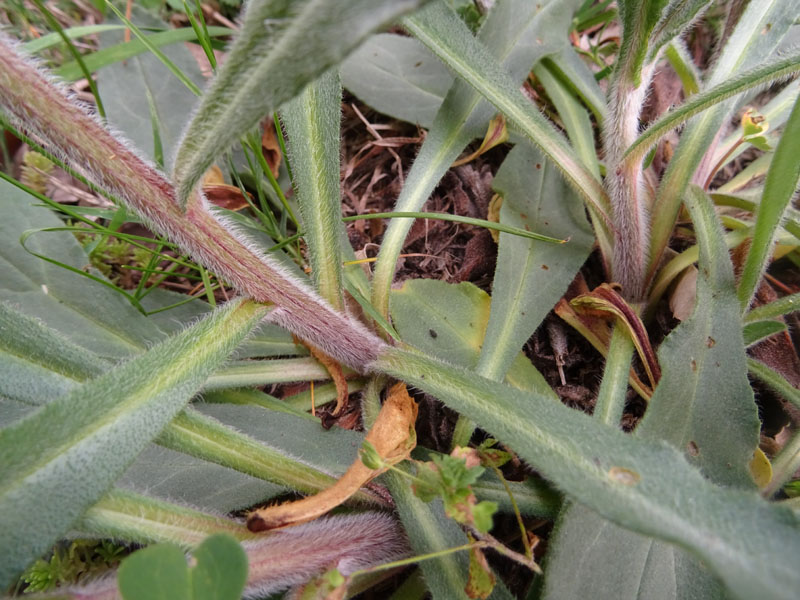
point(34, 103)
point(626, 187)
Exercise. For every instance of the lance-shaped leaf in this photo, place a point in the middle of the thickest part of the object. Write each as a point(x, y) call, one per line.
point(123, 514)
point(573, 115)
point(447, 37)
point(455, 335)
point(704, 406)
point(279, 51)
point(531, 276)
point(677, 17)
point(516, 34)
point(772, 70)
point(38, 363)
point(618, 564)
point(73, 448)
point(397, 76)
point(779, 189)
point(642, 485)
point(312, 122)
point(638, 20)
point(759, 30)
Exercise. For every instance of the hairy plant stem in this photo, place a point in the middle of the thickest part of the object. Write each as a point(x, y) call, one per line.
point(625, 183)
point(35, 104)
point(352, 543)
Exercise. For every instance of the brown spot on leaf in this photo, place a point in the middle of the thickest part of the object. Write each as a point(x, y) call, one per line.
point(623, 476)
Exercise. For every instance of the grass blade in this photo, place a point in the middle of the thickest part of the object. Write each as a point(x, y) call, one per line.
point(51, 39)
point(760, 28)
point(704, 403)
point(151, 47)
point(766, 73)
point(517, 33)
point(90, 435)
point(53, 22)
point(779, 189)
point(524, 233)
point(107, 56)
point(447, 37)
point(264, 69)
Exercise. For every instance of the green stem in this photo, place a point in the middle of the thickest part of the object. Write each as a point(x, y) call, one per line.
point(775, 381)
point(458, 219)
point(784, 466)
point(420, 558)
point(611, 397)
point(517, 514)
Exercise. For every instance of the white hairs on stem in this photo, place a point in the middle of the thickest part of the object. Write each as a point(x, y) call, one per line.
point(35, 103)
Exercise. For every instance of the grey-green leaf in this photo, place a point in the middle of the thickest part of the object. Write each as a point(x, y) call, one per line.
point(642, 485)
point(87, 313)
point(170, 475)
point(516, 34)
point(312, 121)
point(91, 435)
point(266, 68)
point(530, 276)
point(38, 363)
point(704, 406)
point(441, 31)
point(455, 335)
point(398, 76)
point(591, 557)
point(124, 87)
